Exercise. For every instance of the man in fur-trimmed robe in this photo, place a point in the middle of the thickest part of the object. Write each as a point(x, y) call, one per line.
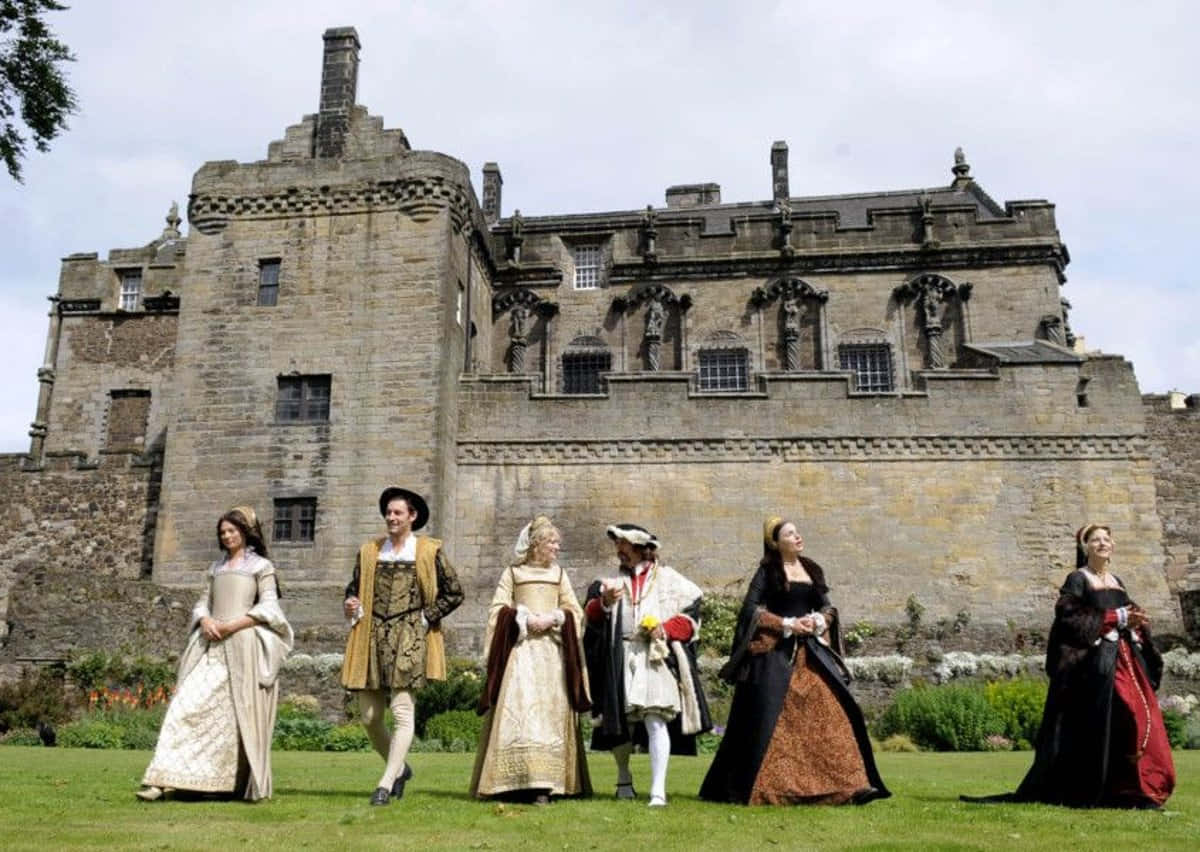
point(640, 640)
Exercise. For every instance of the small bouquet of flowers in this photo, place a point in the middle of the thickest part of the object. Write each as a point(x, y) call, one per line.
point(658, 644)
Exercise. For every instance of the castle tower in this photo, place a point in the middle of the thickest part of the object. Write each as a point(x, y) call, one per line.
point(330, 294)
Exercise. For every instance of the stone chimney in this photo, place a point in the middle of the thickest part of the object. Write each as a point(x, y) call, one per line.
point(339, 86)
point(492, 182)
point(779, 172)
point(693, 195)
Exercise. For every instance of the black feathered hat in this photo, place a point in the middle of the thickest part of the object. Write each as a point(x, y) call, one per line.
point(415, 501)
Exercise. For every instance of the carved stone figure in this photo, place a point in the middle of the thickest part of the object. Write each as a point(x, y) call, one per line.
point(1052, 329)
point(931, 307)
point(785, 226)
point(518, 333)
point(927, 238)
point(516, 237)
point(649, 233)
point(792, 312)
point(656, 320)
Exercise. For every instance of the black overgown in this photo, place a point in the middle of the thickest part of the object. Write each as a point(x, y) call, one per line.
point(1074, 743)
point(761, 686)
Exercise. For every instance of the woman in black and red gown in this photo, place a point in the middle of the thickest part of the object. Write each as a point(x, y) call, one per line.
point(1102, 742)
point(795, 734)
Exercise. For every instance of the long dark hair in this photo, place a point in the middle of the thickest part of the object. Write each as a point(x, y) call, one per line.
point(772, 564)
point(252, 534)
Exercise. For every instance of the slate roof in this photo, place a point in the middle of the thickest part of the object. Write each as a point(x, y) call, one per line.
point(1027, 352)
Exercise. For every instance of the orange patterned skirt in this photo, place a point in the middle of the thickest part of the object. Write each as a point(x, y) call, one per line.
point(812, 757)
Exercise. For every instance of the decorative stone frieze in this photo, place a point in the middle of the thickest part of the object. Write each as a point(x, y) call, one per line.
point(831, 449)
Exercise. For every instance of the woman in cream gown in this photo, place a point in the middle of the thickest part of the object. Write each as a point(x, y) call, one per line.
point(216, 736)
point(531, 745)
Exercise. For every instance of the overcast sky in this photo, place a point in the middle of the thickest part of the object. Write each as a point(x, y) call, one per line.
point(593, 106)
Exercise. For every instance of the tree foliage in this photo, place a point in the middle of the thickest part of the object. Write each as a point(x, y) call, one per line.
point(34, 96)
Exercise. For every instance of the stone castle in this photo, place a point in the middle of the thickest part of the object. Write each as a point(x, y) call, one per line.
point(893, 370)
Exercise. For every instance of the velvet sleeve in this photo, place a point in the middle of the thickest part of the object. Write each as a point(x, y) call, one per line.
point(352, 586)
point(449, 591)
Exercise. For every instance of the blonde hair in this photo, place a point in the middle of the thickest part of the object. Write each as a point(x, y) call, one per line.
point(537, 531)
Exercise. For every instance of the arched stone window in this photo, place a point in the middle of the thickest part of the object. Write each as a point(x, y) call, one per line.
point(584, 361)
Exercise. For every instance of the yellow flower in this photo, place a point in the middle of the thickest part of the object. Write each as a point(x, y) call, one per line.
point(649, 622)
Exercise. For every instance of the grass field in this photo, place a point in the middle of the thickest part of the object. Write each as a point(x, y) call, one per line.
point(69, 798)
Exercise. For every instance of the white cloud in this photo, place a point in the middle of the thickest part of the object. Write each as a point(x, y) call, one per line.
point(1093, 106)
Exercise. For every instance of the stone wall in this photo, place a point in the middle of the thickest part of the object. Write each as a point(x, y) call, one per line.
point(1174, 433)
point(81, 534)
point(966, 495)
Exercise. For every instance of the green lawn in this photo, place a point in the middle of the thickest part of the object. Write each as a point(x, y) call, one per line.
point(68, 798)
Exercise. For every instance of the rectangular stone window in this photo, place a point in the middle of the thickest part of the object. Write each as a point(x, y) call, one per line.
point(268, 282)
point(302, 399)
point(871, 364)
point(459, 298)
point(128, 413)
point(724, 369)
point(295, 519)
point(131, 289)
point(587, 267)
point(581, 371)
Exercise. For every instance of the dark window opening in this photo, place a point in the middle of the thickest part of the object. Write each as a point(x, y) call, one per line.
point(302, 399)
point(581, 371)
point(268, 283)
point(295, 519)
point(871, 364)
point(724, 370)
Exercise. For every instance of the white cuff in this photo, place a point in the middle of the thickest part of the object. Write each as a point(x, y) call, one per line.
point(1122, 616)
point(818, 623)
point(523, 614)
point(788, 624)
point(560, 618)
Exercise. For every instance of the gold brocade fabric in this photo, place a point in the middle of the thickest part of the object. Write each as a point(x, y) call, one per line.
point(397, 658)
point(531, 738)
point(813, 756)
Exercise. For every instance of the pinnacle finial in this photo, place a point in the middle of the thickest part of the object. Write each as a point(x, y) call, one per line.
point(173, 220)
point(962, 169)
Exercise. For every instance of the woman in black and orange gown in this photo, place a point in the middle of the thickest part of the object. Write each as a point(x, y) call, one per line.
point(1102, 742)
point(795, 734)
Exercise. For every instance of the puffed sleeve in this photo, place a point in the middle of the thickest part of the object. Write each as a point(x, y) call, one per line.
point(449, 591)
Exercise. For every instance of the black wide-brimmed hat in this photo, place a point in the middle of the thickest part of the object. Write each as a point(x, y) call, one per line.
point(633, 534)
point(414, 500)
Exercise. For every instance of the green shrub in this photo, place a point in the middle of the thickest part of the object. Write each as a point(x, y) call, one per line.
point(459, 691)
point(943, 718)
point(1192, 731)
point(1019, 705)
point(299, 707)
point(1176, 724)
point(899, 743)
point(91, 733)
point(38, 696)
point(718, 622)
point(21, 737)
point(95, 670)
point(458, 730)
point(301, 733)
point(347, 738)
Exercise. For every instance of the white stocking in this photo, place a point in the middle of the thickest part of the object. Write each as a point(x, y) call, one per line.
point(402, 736)
point(660, 754)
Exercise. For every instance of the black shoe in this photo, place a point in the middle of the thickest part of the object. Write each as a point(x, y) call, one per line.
point(381, 796)
point(401, 780)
